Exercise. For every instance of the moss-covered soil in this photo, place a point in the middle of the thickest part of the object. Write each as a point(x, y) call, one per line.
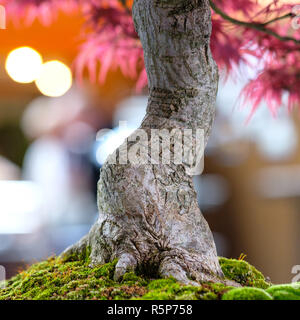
point(57, 280)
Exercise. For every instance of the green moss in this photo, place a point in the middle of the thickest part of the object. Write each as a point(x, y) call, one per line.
point(81, 255)
point(107, 270)
point(131, 278)
point(247, 293)
point(285, 291)
point(170, 289)
point(243, 273)
point(166, 289)
point(55, 279)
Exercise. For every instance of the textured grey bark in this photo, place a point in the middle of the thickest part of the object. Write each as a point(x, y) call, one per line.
point(149, 217)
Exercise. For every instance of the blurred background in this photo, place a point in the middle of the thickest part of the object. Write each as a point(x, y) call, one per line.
point(50, 158)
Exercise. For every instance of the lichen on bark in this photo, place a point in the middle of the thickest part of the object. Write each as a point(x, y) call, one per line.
point(149, 216)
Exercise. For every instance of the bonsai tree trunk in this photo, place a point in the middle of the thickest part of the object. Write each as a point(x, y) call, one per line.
point(149, 217)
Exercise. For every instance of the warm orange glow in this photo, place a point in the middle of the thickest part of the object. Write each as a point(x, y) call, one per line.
point(55, 79)
point(60, 39)
point(24, 64)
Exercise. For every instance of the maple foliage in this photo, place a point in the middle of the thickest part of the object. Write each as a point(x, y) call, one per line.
point(243, 30)
point(43, 10)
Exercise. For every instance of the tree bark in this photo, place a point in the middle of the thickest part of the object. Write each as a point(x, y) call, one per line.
point(149, 217)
